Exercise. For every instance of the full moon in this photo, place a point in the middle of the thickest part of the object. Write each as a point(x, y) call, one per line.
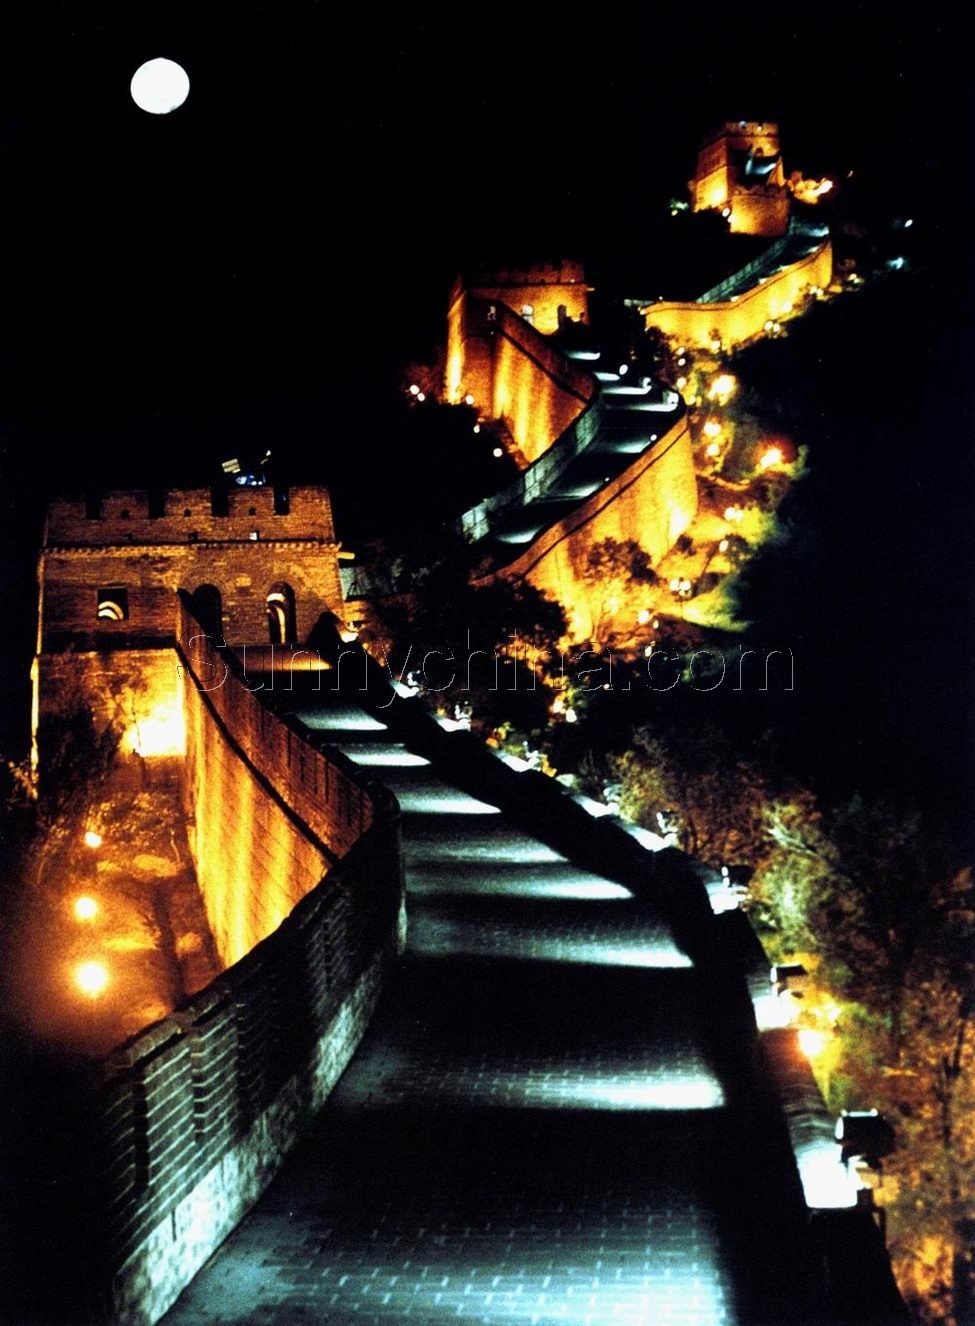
point(159, 86)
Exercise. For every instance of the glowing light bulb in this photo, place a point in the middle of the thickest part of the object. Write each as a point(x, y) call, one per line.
point(159, 86)
point(421, 396)
point(468, 399)
point(643, 616)
point(773, 456)
point(723, 546)
point(91, 978)
point(497, 453)
point(812, 1042)
point(414, 390)
point(722, 388)
point(712, 449)
point(93, 839)
point(85, 908)
point(712, 428)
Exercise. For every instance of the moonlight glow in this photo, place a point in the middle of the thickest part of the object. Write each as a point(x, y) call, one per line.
point(159, 86)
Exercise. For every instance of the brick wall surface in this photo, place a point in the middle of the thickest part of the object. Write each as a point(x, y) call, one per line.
point(513, 373)
point(153, 1156)
point(243, 556)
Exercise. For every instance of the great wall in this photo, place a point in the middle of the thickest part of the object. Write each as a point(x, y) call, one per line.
point(367, 874)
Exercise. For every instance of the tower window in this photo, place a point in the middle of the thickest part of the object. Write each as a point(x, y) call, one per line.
point(113, 604)
point(281, 615)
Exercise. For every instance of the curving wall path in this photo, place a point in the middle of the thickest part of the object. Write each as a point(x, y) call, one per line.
point(768, 289)
point(561, 1111)
point(602, 457)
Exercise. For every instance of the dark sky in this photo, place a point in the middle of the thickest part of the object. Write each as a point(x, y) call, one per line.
point(259, 263)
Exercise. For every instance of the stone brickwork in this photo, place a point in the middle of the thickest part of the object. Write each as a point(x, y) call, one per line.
point(261, 543)
point(148, 1160)
point(743, 318)
point(739, 172)
point(267, 812)
point(652, 502)
point(512, 372)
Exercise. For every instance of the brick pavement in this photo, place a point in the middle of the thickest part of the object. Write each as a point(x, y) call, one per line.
point(540, 1125)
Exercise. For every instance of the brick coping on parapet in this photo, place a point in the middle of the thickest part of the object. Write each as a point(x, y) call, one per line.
point(97, 549)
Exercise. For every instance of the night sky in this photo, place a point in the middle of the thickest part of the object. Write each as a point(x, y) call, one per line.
point(251, 266)
point(257, 268)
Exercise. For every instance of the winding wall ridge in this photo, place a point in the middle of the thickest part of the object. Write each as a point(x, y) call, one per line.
point(743, 317)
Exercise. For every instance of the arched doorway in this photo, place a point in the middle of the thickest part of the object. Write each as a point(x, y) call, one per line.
point(207, 608)
point(281, 615)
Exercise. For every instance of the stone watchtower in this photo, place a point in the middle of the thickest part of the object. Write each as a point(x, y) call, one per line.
point(739, 173)
point(260, 565)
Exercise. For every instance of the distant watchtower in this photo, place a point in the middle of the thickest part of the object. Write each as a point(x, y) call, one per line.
point(739, 173)
point(545, 295)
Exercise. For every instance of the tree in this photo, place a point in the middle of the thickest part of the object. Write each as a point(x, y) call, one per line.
point(469, 642)
point(694, 782)
point(613, 571)
point(860, 885)
point(870, 889)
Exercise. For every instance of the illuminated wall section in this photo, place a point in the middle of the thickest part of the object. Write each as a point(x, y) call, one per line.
point(651, 502)
point(759, 213)
point(513, 373)
point(758, 204)
point(739, 320)
point(533, 404)
point(147, 552)
point(254, 862)
point(140, 690)
point(468, 366)
point(269, 813)
point(545, 294)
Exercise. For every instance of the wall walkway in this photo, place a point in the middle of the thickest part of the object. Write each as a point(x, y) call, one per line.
point(559, 1112)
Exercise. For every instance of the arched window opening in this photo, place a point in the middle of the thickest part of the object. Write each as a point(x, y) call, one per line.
point(207, 608)
point(281, 615)
point(113, 604)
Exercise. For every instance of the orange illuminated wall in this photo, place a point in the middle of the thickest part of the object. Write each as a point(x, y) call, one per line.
point(652, 502)
point(546, 295)
point(739, 320)
point(240, 549)
point(254, 863)
point(269, 814)
point(720, 182)
point(512, 372)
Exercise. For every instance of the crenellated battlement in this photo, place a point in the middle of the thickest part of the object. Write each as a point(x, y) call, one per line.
point(261, 564)
point(191, 515)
